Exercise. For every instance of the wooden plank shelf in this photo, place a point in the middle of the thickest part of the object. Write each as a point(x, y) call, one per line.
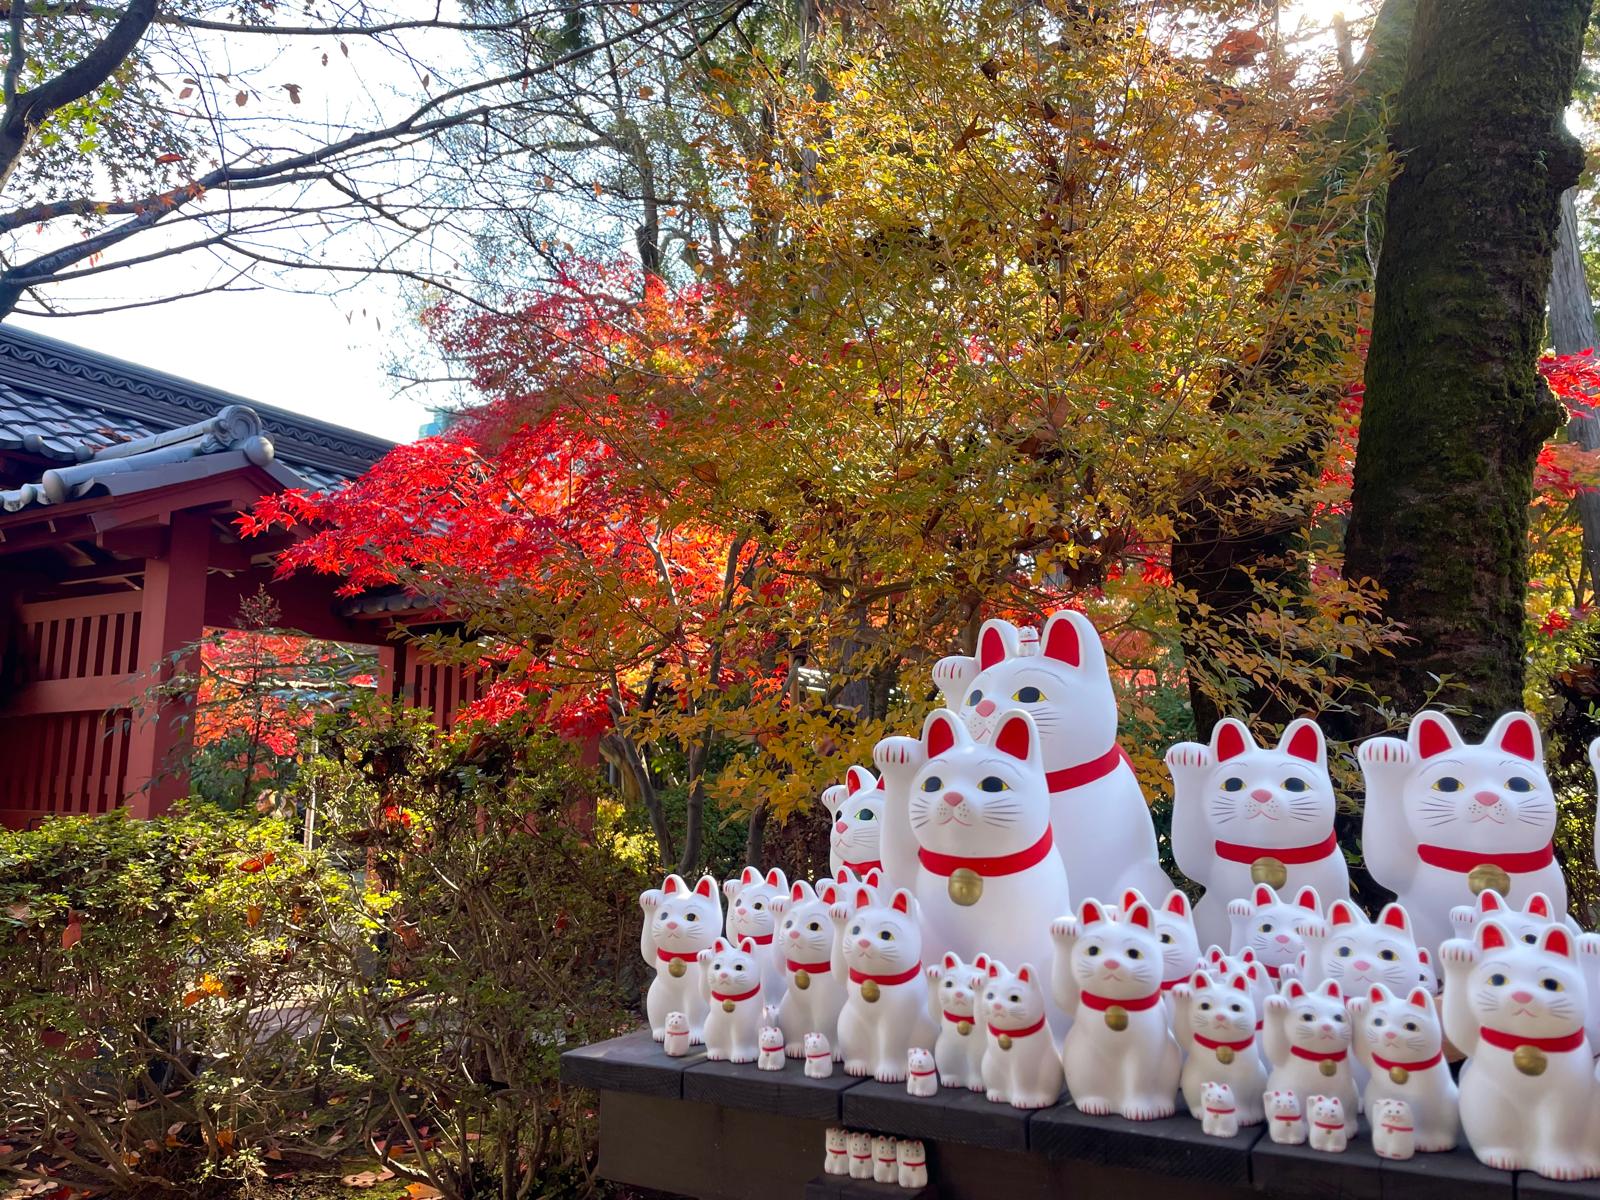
point(715, 1130)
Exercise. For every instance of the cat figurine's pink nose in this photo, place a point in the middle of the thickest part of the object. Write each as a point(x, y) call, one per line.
point(840, 827)
point(864, 943)
point(1261, 795)
point(1486, 798)
point(794, 935)
point(1522, 997)
point(1113, 964)
point(1361, 964)
point(985, 708)
point(672, 924)
point(1283, 939)
point(952, 798)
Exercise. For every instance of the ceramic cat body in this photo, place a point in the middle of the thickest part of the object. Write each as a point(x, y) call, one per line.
point(1394, 1133)
point(1308, 1043)
point(1401, 1042)
point(805, 949)
point(885, 1160)
point(679, 922)
point(1268, 926)
point(1120, 1055)
point(1286, 1123)
point(1438, 808)
point(922, 1076)
point(856, 806)
point(1215, 1022)
point(1219, 1113)
point(1020, 1064)
point(836, 1152)
point(819, 1056)
point(770, 1039)
point(913, 1163)
point(1529, 1097)
point(1236, 803)
point(885, 1011)
point(751, 915)
point(958, 1053)
point(987, 878)
point(676, 1041)
point(731, 978)
point(860, 1155)
point(1103, 830)
point(1331, 1130)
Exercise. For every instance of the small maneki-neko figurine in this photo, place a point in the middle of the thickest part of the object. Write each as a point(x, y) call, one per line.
point(856, 806)
point(885, 1011)
point(678, 924)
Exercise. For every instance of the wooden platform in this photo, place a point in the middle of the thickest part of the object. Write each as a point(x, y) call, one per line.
point(721, 1132)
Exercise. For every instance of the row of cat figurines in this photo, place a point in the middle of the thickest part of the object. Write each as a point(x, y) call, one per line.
point(883, 1159)
point(969, 822)
point(1515, 1001)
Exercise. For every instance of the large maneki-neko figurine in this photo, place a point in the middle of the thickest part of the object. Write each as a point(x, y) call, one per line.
point(856, 806)
point(1102, 828)
point(1244, 814)
point(986, 875)
point(1445, 819)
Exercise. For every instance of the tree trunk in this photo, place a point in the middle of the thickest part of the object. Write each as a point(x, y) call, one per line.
point(1455, 412)
point(1223, 553)
point(1572, 332)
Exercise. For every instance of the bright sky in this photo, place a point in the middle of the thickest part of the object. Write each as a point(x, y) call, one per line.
point(316, 354)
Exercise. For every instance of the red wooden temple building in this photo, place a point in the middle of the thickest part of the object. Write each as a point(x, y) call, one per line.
point(118, 490)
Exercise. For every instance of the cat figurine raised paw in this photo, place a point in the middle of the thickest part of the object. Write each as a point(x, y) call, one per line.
point(805, 947)
point(1216, 1027)
point(913, 1163)
point(922, 1077)
point(1119, 1056)
point(1401, 1041)
point(886, 1007)
point(676, 1042)
point(860, 1155)
point(836, 1154)
point(1330, 1130)
point(1394, 1133)
point(1243, 814)
point(1285, 1123)
point(751, 915)
point(1529, 1097)
point(1020, 1064)
point(885, 1160)
point(1219, 1115)
point(678, 924)
point(770, 1040)
point(958, 1053)
point(1308, 1041)
point(1444, 818)
point(856, 806)
point(732, 980)
point(819, 1056)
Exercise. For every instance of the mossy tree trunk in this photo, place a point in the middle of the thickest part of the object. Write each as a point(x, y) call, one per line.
point(1455, 412)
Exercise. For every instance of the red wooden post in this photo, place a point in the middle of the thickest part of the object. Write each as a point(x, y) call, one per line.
point(173, 617)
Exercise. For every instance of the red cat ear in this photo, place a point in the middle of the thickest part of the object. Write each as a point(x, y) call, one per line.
point(1230, 739)
point(1419, 998)
point(981, 962)
point(1177, 903)
point(863, 898)
point(1295, 990)
point(1342, 912)
point(1492, 936)
point(1251, 971)
point(1331, 989)
point(1062, 641)
point(747, 945)
point(843, 875)
point(1489, 901)
point(1200, 981)
point(1214, 954)
point(719, 945)
point(940, 733)
point(901, 901)
point(775, 878)
point(1247, 955)
point(1538, 905)
point(1141, 916)
point(1378, 994)
point(1091, 913)
point(672, 884)
point(1394, 916)
point(855, 780)
point(1557, 939)
point(1015, 736)
point(1433, 734)
point(881, 784)
point(991, 646)
point(706, 886)
point(796, 894)
point(1025, 974)
point(949, 962)
point(1263, 896)
point(1130, 898)
point(1520, 736)
point(828, 894)
point(749, 875)
point(1303, 740)
point(1307, 897)
point(994, 970)
point(1241, 984)
point(874, 877)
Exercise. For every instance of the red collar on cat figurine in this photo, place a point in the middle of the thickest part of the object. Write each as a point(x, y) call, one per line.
point(760, 939)
point(1389, 1064)
point(992, 867)
point(1288, 855)
point(720, 996)
point(1076, 776)
point(1209, 1044)
point(1463, 861)
point(820, 968)
point(1137, 1004)
point(1017, 1033)
point(1168, 984)
point(1320, 1056)
point(905, 976)
point(1551, 1045)
point(667, 956)
point(860, 869)
point(956, 1018)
